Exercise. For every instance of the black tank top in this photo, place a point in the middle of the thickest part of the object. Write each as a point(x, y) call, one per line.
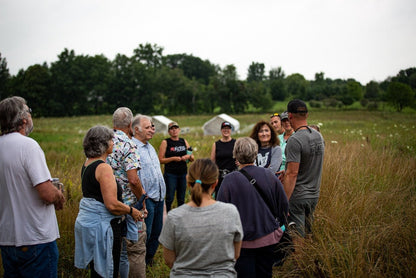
point(175, 148)
point(224, 155)
point(90, 185)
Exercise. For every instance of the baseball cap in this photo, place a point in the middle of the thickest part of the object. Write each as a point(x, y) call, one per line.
point(284, 115)
point(226, 124)
point(297, 106)
point(173, 124)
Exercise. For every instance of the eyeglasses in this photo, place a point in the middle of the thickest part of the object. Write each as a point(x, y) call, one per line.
point(274, 115)
point(29, 110)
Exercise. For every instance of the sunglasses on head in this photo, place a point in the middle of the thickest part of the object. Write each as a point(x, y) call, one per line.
point(274, 115)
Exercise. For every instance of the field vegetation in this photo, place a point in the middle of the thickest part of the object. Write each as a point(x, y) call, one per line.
point(365, 219)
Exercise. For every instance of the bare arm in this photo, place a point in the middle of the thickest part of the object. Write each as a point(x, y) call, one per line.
point(237, 249)
point(50, 194)
point(290, 177)
point(169, 256)
point(104, 175)
point(213, 152)
point(162, 152)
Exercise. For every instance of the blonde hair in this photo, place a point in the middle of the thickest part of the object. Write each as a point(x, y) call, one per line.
point(202, 174)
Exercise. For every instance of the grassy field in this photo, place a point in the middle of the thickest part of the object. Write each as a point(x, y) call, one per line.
point(366, 216)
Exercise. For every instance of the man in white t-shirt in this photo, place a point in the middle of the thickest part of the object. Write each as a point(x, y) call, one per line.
point(28, 199)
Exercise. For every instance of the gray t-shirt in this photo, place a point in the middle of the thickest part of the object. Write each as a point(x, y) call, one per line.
point(306, 146)
point(202, 239)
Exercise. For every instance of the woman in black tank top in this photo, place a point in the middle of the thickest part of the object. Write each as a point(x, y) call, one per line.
point(222, 154)
point(98, 183)
point(175, 152)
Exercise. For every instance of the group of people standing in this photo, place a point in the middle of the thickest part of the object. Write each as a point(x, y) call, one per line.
point(241, 200)
point(134, 168)
point(272, 178)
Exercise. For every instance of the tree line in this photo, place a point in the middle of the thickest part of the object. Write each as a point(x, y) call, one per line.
point(153, 83)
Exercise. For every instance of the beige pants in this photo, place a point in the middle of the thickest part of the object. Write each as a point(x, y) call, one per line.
point(136, 252)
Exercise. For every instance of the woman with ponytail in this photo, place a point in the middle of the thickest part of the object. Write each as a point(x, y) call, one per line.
point(202, 237)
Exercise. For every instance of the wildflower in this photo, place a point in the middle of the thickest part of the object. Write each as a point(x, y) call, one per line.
point(334, 142)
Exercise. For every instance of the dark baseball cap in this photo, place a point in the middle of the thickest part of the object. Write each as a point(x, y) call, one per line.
point(226, 124)
point(297, 106)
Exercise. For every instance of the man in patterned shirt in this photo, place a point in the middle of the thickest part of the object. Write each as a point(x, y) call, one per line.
point(153, 182)
point(125, 161)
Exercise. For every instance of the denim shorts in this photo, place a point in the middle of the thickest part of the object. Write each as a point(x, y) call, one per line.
point(39, 260)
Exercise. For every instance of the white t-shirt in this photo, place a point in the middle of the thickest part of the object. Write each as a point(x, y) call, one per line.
point(24, 218)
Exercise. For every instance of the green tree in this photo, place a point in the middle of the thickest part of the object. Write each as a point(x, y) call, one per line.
point(372, 91)
point(400, 95)
point(192, 67)
point(255, 72)
point(149, 55)
point(277, 84)
point(354, 90)
point(4, 77)
point(296, 86)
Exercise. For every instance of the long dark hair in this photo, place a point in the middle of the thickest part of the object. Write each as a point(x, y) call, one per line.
point(274, 140)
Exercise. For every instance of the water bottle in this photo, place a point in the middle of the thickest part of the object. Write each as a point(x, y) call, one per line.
point(188, 151)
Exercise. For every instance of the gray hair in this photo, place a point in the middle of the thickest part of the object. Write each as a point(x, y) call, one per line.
point(245, 150)
point(122, 117)
point(137, 120)
point(12, 113)
point(96, 141)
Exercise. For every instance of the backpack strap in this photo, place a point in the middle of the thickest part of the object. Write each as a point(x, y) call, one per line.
point(262, 194)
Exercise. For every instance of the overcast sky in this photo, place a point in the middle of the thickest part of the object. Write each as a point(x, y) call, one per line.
point(362, 39)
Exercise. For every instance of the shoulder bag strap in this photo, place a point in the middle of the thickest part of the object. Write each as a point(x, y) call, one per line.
point(263, 196)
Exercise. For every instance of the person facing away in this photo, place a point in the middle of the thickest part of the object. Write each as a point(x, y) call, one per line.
point(288, 131)
point(261, 226)
point(222, 154)
point(152, 178)
point(125, 161)
point(28, 199)
point(304, 160)
point(172, 153)
point(276, 122)
point(102, 197)
point(269, 152)
point(202, 238)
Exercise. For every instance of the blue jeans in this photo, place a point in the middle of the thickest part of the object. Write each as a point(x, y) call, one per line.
point(124, 261)
point(154, 222)
point(178, 183)
point(39, 260)
point(256, 262)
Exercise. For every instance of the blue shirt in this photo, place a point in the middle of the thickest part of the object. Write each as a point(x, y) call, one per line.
point(150, 173)
point(94, 237)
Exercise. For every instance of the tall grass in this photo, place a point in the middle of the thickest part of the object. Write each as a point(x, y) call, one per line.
point(365, 219)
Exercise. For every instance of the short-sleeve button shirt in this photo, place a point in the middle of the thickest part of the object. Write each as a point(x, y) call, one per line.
point(125, 157)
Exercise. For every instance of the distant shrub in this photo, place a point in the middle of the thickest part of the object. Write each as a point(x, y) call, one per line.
point(315, 104)
point(372, 105)
point(364, 102)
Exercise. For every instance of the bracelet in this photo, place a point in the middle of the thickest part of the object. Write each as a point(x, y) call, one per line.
point(131, 210)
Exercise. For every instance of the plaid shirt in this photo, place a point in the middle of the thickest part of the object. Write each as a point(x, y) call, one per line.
point(125, 157)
